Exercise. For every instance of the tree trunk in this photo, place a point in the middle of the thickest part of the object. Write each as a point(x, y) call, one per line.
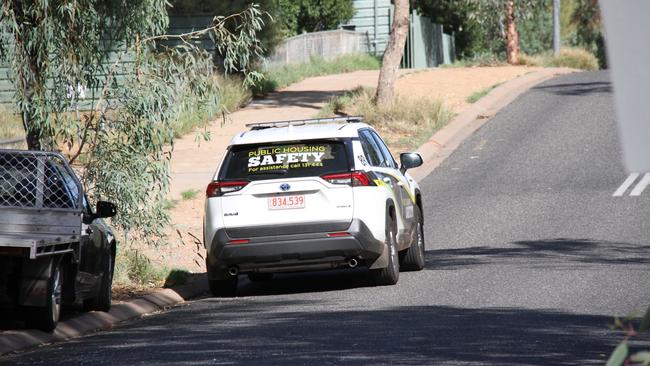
point(512, 37)
point(393, 54)
point(31, 135)
point(25, 84)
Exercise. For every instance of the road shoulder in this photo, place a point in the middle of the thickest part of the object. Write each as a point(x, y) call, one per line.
point(87, 323)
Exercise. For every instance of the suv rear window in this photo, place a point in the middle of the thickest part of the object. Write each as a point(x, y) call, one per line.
point(287, 160)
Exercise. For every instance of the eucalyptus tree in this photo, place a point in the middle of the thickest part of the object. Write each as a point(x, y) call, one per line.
point(504, 14)
point(100, 81)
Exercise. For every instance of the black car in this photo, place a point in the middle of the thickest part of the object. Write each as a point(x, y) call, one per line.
point(55, 250)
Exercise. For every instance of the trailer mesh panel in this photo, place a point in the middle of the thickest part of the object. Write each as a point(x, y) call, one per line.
point(37, 180)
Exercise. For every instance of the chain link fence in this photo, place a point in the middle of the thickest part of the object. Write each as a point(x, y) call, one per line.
point(38, 180)
point(327, 45)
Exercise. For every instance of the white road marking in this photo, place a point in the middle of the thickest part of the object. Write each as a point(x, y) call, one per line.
point(626, 184)
point(641, 185)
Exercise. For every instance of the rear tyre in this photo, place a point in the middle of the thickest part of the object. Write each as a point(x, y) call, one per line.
point(260, 277)
point(46, 318)
point(389, 275)
point(412, 258)
point(223, 288)
point(103, 300)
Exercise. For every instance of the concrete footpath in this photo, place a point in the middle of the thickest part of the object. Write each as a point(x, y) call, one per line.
point(302, 105)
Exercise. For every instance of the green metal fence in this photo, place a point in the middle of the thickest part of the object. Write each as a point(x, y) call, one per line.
point(177, 25)
point(372, 18)
point(427, 45)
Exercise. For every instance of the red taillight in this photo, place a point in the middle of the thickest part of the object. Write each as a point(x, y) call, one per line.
point(337, 235)
point(216, 189)
point(360, 179)
point(354, 179)
point(239, 241)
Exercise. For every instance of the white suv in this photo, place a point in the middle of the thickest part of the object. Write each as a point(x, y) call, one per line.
point(309, 195)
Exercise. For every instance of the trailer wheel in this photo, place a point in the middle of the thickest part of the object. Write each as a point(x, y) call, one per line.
point(103, 300)
point(46, 318)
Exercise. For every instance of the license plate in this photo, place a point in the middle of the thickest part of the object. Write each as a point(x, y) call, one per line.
point(286, 202)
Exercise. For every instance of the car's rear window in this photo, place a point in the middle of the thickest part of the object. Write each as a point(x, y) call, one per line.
point(287, 160)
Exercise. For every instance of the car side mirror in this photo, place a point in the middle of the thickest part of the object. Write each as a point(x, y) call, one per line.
point(105, 209)
point(409, 161)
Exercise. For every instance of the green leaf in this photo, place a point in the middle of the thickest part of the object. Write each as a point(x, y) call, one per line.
point(139, 87)
point(618, 356)
point(643, 357)
point(645, 321)
point(618, 324)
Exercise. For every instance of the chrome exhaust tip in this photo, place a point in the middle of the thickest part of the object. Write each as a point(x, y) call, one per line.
point(233, 271)
point(352, 262)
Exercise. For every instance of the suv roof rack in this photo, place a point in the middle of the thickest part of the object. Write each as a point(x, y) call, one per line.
point(301, 122)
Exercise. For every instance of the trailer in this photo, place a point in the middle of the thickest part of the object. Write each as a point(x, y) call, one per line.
point(54, 249)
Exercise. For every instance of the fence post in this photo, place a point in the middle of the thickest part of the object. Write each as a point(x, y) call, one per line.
point(305, 52)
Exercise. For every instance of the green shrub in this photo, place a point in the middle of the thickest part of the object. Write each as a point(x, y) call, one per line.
point(405, 124)
point(479, 94)
point(177, 277)
point(169, 204)
point(189, 194)
point(133, 269)
point(278, 78)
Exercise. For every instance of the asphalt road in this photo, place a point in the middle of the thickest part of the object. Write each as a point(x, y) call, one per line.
point(529, 256)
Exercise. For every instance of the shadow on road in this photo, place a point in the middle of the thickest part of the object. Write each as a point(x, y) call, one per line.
point(256, 332)
point(551, 253)
point(295, 283)
point(577, 89)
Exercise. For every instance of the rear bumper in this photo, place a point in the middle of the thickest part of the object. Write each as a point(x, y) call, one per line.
point(292, 253)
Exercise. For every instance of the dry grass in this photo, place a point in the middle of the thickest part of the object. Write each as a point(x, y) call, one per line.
point(10, 125)
point(481, 60)
point(279, 78)
point(232, 95)
point(405, 124)
point(575, 58)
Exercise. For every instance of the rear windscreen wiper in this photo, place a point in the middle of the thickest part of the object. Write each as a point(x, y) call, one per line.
point(271, 171)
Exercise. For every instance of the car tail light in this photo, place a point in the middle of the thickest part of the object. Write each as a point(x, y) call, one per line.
point(239, 241)
point(219, 188)
point(338, 235)
point(354, 179)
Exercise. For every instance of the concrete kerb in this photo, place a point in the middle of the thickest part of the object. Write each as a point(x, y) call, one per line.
point(434, 151)
point(19, 340)
point(447, 139)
